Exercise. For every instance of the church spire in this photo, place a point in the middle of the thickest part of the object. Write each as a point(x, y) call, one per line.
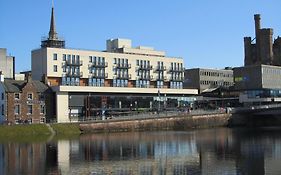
point(52, 32)
point(53, 40)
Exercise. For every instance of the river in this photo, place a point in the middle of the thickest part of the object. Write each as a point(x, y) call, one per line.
point(205, 151)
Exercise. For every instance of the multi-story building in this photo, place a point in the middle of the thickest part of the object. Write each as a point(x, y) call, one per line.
point(204, 79)
point(25, 101)
point(264, 50)
point(258, 83)
point(7, 64)
point(122, 77)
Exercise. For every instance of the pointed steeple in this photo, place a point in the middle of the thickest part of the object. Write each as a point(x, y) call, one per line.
point(52, 32)
point(53, 40)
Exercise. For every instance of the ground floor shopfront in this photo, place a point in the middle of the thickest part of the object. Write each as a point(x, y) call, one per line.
point(87, 103)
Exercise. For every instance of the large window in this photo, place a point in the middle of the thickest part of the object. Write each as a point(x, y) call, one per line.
point(17, 109)
point(2, 96)
point(29, 109)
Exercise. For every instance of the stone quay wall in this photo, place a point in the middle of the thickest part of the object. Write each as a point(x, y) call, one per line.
point(163, 123)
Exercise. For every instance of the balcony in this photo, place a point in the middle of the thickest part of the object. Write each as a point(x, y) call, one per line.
point(73, 74)
point(179, 79)
point(161, 78)
point(180, 69)
point(145, 78)
point(75, 63)
point(144, 67)
point(160, 69)
point(100, 76)
point(123, 77)
point(98, 65)
point(123, 66)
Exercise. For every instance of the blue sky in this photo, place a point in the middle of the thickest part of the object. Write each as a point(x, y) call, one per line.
point(205, 33)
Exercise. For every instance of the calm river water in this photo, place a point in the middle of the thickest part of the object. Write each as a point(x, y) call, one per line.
point(207, 151)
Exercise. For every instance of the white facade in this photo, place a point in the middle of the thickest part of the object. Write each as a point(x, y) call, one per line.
point(7, 64)
point(119, 70)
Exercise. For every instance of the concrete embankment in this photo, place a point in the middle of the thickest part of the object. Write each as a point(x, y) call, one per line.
point(165, 123)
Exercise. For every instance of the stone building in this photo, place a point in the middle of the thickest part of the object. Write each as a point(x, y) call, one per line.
point(25, 101)
point(263, 50)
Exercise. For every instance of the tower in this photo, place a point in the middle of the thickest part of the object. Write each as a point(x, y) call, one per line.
point(53, 40)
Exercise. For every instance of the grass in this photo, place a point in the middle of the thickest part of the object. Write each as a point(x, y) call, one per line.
point(66, 128)
point(24, 133)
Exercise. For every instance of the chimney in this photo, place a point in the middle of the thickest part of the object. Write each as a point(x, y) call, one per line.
point(1, 77)
point(257, 23)
point(258, 44)
point(29, 78)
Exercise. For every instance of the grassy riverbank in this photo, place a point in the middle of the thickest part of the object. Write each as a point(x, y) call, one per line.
point(66, 128)
point(36, 132)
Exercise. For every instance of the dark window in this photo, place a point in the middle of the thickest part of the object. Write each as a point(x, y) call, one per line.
point(29, 109)
point(42, 109)
point(17, 96)
point(29, 96)
point(2, 96)
point(55, 56)
point(17, 109)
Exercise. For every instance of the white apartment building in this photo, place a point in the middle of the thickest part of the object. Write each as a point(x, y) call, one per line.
point(120, 78)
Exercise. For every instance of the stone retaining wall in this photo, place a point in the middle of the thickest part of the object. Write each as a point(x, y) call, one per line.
point(167, 123)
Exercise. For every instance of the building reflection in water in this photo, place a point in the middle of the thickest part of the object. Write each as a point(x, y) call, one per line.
point(210, 151)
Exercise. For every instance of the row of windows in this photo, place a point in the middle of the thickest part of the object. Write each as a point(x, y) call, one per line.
point(29, 96)
point(101, 60)
point(70, 81)
point(94, 59)
point(219, 83)
point(215, 74)
point(176, 66)
point(272, 71)
point(17, 110)
point(176, 85)
point(142, 83)
point(96, 82)
point(120, 83)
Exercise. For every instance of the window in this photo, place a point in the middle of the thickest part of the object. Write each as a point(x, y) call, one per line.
point(64, 57)
point(90, 59)
point(42, 120)
point(55, 68)
point(2, 96)
point(55, 56)
point(42, 109)
point(2, 109)
point(29, 96)
point(17, 109)
point(64, 69)
point(138, 62)
point(17, 96)
point(29, 109)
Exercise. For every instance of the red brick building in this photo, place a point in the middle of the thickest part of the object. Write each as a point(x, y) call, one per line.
point(25, 101)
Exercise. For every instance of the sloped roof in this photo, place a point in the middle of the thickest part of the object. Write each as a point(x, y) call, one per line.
point(18, 85)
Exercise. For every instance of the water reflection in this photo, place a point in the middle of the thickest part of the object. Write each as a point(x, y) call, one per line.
point(210, 151)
